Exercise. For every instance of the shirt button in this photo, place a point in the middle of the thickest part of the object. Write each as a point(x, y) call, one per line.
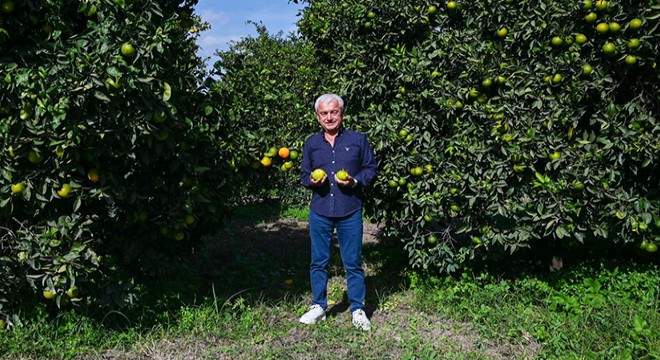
point(333, 162)
point(332, 194)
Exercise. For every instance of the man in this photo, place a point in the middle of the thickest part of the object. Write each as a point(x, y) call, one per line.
point(336, 204)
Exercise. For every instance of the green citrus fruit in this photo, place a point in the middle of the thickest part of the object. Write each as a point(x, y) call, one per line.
point(127, 50)
point(35, 157)
point(48, 295)
point(635, 24)
point(293, 155)
point(318, 174)
point(580, 39)
point(602, 28)
point(634, 43)
point(8, 7)
point(73, 292)
point(554, 156)
point(342, 175)
point(17, 188)
point(557, 41)
point(590, 17)
point(609, 49)
point(614, 27)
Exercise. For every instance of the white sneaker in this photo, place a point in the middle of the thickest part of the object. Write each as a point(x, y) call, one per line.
point(314, 315)
point(360, 320)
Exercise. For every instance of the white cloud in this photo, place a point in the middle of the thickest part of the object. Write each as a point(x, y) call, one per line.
point(215, 18)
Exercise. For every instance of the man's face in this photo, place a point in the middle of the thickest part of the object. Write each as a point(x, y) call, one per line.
point(330, 116)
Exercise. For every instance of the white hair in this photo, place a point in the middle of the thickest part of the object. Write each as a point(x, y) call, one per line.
point(327, 99)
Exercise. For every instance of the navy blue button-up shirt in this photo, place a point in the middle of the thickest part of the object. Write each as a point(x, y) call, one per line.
point(352, 153)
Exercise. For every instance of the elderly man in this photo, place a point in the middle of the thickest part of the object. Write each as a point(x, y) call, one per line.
point(336, 204)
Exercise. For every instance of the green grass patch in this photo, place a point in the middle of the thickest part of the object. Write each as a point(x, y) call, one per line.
point(242, 294)
point(583, 312)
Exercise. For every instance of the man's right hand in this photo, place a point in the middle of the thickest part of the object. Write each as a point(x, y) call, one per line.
point(318, 182)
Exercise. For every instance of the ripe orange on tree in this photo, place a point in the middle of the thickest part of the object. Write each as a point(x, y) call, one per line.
point(93, 175)
point(284, 152)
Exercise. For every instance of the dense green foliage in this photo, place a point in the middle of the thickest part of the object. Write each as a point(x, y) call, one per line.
point(107, 160)
point(265, 95)
point(502, 124)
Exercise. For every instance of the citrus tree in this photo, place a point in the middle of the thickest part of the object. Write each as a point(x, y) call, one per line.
point(502, 125)
point(265, 92)
point(107, 159)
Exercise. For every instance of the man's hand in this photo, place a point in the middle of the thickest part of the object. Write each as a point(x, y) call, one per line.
point(318, 182)
point(349, 182)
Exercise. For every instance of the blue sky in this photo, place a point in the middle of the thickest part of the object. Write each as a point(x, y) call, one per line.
point(228, 21)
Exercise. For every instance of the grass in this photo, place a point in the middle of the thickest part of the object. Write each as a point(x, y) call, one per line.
point(235, 302)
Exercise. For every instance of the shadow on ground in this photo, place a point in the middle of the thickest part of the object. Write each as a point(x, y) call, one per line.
point(263, 259)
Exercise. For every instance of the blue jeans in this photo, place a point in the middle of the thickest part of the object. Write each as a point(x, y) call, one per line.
point(349, 234)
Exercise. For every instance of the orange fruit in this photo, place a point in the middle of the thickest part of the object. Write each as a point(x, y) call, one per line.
point(93, 175)
point(284, 153)
point(266, 161)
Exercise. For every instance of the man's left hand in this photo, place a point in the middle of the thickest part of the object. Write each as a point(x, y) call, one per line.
point(349, 182)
